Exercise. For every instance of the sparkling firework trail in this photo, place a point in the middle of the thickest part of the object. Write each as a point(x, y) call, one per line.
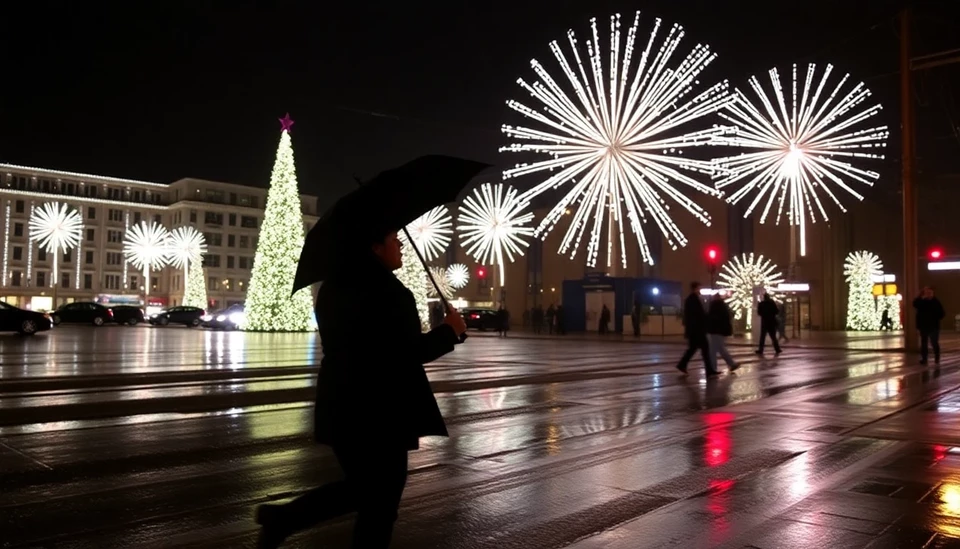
point(491, 224)
point(802, 146)
point(618, 139)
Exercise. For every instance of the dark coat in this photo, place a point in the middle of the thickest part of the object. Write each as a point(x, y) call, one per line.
point(767, 311)
point(694, 317)
point(718, 318)
point(372, 384)
point(929, 313)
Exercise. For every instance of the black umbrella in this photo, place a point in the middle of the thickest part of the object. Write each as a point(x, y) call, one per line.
point(388, 202)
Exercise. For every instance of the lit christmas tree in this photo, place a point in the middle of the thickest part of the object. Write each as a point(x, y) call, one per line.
point(269, 307)
point(860, 268)
point(414, 277)
point(195, 292)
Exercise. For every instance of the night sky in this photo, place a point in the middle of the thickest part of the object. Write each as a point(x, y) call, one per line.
point(195, 90)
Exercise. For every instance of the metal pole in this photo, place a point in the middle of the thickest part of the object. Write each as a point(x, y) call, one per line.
point(911, 281)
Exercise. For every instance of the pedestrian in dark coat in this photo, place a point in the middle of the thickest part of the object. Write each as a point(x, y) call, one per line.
point(695, 330)
point(929, 314)
point(368, 371)
point(767, 311)
point(719, 328)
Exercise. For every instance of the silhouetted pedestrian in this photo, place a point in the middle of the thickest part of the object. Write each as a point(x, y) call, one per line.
point(767, 311)
point(604, 320)
point(929, 314)
point(719, 328)
point(695, 330)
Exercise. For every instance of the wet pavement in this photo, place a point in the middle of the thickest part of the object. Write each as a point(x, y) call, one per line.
point(170, 437)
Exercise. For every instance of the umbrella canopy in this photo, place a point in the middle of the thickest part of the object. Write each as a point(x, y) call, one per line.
point(386, 203)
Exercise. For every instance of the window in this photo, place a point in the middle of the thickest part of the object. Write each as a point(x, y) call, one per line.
point(214, 239)
point(176, 282)
point(231, 240)
point(88, 281)
point(92, 192)
point(90, 235)
point(42, 255)
point(111, 282)
point(65, 280)
point(41, 279)
point(211, 260)
point(244, 241)
point(245, 200)
point(136, 218)
point(215, 196)
point(17, 278)
point(213, 218)
point(114, 258)
point(68, 256)
point(114, 236)
point(17, 253)
point(233, 220)
point(18, 229)
point(213, 284)
point(88, 258)
point(115, 215)
point(19, 206)
point(243, 262)
point(91, 211)
point(229, 261)
point(248, 221)
point(136, 196)
point(157, 219)
point(133, 282)
point(193, 216)
point(233, 198)
point(154, 283)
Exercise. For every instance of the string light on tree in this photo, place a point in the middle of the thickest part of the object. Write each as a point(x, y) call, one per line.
point(492, 223)
point(458, 275)
point(618, 138)
point(145, 246)
point(269, 306)
point(414, 277)
point(440, 275)
point(56, 228)
point(861, 268)
point(740, 275)
point(802, 146)
point(891, 304)
point(195, 291)
point(431, 232)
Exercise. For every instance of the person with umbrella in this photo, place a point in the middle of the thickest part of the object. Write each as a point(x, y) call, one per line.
point(371, 372)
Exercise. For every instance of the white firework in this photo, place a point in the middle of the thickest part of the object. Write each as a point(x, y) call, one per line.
point(492, 223)
point(432, 231)
point(185, 244)
point(146, 246)
point(618, 139)
point(740, 275)
point(801, 146)
point(56, 228)
point(458, 275)
point(440, 275)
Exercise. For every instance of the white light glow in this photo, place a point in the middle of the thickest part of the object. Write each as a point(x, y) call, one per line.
point(655, 291)
point(145, 246)
point(740, 275)
point(797, 287)
point(944, 266)
point(431, 232)
point(492, 223)
point(619, 138)
point(6, 242)
point(800, 147)
point(56, 228)
point(458, 275)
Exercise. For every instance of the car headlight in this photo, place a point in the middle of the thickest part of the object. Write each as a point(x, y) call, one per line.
point(237, 318)
point(221, 318)
point(206, 318)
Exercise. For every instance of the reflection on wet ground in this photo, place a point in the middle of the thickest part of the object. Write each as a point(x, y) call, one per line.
point(139, 437)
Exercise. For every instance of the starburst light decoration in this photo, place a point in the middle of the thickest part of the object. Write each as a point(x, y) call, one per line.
point(56, 228)
point(431, 232)
point(185, 244)
point(861, 268)
point(741, 275)
point(146, 246)
point(440, 275)
point(618, 137)
point(802, 146)
point(458, 275)
point(492, 223)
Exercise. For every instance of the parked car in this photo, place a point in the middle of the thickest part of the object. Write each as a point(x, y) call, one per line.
point(127, 314)
point(15, 319)
point(82, 312)
point(188, 316)
point(227, 319)
point(480, 319)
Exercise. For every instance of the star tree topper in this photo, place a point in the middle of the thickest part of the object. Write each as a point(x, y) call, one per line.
point(286, 123)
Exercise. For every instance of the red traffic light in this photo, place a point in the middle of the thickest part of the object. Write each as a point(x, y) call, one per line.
point(712, 254)
point(936, 253)
point(481, 273)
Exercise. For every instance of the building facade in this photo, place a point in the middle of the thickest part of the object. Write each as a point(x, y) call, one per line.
point(228, 215)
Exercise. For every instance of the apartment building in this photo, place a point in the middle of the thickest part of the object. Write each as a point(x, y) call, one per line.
point(229, 216)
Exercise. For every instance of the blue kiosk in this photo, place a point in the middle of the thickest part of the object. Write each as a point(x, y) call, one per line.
point(584, 299)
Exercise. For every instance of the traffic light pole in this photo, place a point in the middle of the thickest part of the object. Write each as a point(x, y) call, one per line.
point(911, 283)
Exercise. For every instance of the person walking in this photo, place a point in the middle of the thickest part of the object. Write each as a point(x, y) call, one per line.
point(503, 321)
point(604, 320)
point(551, 317)
point(374, 401)
point(695, 330)
point(929, 314)
point(719, 328)
point(767, 311)
point(782, 322)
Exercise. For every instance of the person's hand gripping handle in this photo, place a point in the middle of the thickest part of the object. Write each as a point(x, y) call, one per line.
point(455, 321)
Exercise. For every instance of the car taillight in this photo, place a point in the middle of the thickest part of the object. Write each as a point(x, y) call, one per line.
point(474, 316)
point(110, 312)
